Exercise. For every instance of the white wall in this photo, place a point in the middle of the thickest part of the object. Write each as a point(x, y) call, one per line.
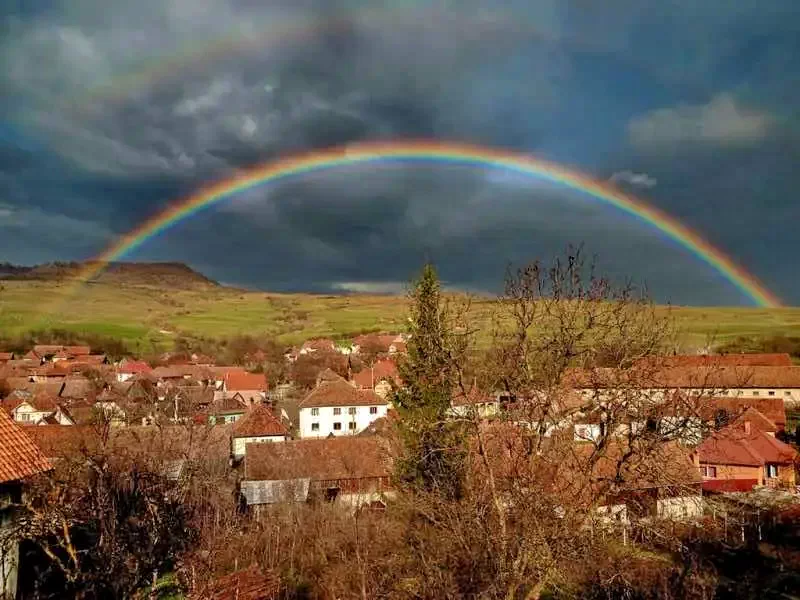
point(240, 444)
point(25, 413)
point(680, 507)
point(326, 419)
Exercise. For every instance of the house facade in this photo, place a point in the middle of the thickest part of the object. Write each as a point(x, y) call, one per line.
point(744, 452)
point(336, 408)
point(258, 425)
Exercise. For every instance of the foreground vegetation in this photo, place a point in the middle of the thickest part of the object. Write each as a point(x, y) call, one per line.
point(148, 318)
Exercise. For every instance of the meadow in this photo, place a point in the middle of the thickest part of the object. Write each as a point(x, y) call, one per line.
point(147, 317)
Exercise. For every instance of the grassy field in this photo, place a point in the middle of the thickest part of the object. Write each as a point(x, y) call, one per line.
point(152, 317)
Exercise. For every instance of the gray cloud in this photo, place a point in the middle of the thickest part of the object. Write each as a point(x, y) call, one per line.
point(720, 121)
point(128, 106)
point(635, 179)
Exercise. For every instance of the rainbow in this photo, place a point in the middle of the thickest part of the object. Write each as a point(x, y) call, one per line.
point(438, 152)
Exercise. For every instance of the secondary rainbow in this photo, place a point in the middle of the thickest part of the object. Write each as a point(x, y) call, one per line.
point(438, 152)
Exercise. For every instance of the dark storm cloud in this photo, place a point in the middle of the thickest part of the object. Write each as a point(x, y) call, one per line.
point(695, 98)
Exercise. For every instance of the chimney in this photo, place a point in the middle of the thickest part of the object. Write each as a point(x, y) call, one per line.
point(747, 427)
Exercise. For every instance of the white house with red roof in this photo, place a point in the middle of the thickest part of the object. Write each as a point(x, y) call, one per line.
point(250, 388)
point(129, 369)
point(258, 425)
point(335, 407)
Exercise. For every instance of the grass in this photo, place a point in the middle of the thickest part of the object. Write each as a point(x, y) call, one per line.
point(152, 317)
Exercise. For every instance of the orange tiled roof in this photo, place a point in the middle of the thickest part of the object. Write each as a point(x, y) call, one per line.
point(346, 457)
point(732, 445)
point(257, 421)
point(382, 369)
point(340, 393)
point(19, 456)
point(706, 360)
point(243, 381)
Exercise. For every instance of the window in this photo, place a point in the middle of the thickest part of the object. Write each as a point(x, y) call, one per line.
point(707, 471)
point(315, 427)
point(24, 417)
point(351, 410)
point(337, 411)
point(351, 426)
point(755, 393)
point(787, 393)
point(373, 410)
point(337, 426)
point(314, 412)
point(772, 471)
point(771, 392)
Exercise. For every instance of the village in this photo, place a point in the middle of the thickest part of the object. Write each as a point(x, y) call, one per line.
point(330, 440)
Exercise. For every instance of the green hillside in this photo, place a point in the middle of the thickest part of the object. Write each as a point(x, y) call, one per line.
point(152, 316)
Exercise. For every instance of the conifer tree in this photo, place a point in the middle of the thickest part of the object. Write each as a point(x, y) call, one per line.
point(433, 447)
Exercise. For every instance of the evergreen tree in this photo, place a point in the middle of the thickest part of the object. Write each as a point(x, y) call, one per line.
point(434, 455)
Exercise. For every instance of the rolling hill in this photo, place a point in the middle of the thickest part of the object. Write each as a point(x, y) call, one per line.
point(148, 305)
point(166, 274)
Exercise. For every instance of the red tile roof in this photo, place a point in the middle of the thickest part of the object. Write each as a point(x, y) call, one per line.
point(347, 457)
point(340, 393)
point(78, 350)
point(703, 377)
point(772, 408)
point(700, 360)
point(732, 445)
point(6, 356)
point(45, 349)
point(242, 381)
point(382, 369)
point(19, 455)
point(258, 421)
point(757, 420)
point(134, 367)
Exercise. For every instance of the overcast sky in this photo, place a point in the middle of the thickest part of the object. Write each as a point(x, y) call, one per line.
point(112, 109)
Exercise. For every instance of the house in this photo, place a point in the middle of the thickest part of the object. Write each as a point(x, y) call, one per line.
point(219, 374)
point(258, 425)
point(719, 360)
point(474, 402)
point(226, 410)
point(250, 388)
point(317, 345)
point(128, 369)
point(618, 480)
point(20, 459)
point(28, 408)
point(660, 383)
point(379, 378)
point(744, 451)
point(380, 343)
point(338, 408)
point(350, 470)
point(725, 409)
point(6, 356)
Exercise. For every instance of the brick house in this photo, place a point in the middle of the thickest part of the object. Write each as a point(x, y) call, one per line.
point(744, 451)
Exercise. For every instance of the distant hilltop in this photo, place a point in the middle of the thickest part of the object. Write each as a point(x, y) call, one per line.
point(162, 274)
